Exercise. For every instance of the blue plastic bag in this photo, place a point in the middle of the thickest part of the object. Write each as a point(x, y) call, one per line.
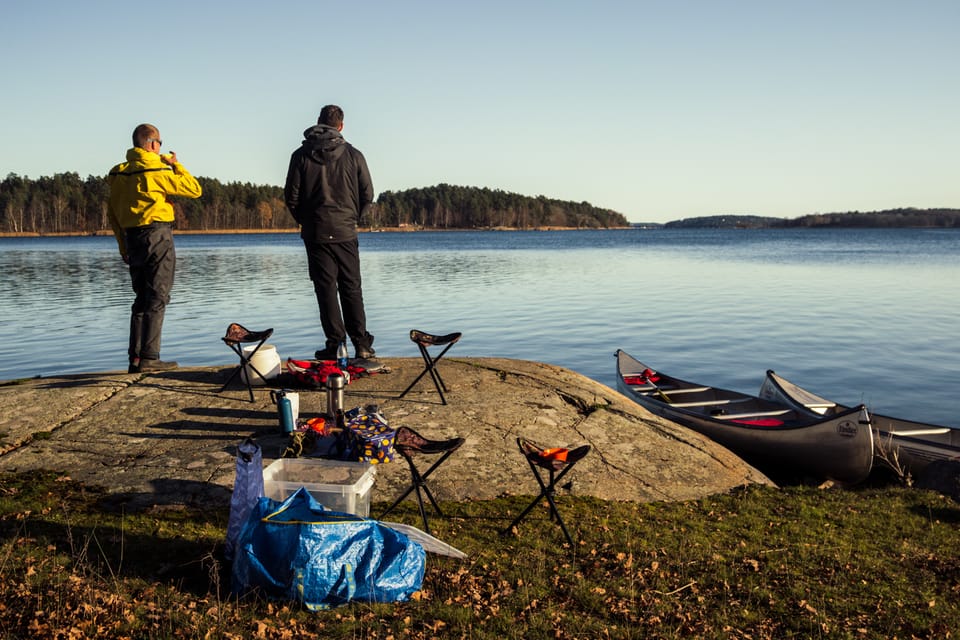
point(247, 489)
point(297, 550)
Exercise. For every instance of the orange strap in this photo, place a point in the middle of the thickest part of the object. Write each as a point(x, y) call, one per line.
point(554, 454)
point(318, 424)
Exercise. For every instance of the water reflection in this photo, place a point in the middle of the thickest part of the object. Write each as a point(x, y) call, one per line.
point(849, 314)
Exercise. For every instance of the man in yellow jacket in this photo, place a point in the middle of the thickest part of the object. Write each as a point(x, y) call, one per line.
point(142, 221)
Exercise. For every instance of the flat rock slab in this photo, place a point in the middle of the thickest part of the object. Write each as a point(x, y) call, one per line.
point(171, 437)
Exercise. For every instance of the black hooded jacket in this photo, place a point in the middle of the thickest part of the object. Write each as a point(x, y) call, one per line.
point(328, 186)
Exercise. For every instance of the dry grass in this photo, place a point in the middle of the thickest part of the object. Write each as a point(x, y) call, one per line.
point(879, 562)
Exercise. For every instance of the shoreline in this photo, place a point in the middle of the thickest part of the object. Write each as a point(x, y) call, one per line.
point(213, 232)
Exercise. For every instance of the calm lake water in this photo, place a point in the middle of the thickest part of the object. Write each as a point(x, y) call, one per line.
point(855, 315)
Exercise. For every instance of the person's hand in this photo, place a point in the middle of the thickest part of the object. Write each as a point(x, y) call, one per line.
point(169, 158)
point(126, 259)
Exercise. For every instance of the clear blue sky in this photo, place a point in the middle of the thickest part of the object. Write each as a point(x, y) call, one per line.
point(659, 110)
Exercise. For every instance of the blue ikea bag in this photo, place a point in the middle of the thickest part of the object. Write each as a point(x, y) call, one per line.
point(299, 551)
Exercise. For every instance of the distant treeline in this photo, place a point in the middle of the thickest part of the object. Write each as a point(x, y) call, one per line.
point(67, 204)
point(725, 222)
point(893, 218)
point(451, 207)
point(64, 203)
point(944, 218)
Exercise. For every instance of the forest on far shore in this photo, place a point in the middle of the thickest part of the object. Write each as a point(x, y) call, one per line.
point(892, 218)
point(66, 204)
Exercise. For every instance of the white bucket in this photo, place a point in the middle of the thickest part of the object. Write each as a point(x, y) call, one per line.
point(266, 360)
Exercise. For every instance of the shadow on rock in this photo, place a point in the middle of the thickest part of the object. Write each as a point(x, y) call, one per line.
point(229, 413)
point(204, 376)
point(80, 381)
point(169, 493)
point(202, 431)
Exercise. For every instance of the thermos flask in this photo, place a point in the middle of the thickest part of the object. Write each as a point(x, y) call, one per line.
point(334, 393)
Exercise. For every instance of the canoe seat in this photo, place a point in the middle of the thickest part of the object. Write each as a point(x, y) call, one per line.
point(672, 390)
point(752, 414)
point(708, 403)
point(921, 432)
point(815, 406)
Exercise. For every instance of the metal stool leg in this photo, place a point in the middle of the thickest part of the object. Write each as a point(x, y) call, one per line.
point(237, 370)
point(536, 461)
point(423, 340)
point(431, 368)
point(416, 482)
point(419, 484)
point(547, 490)
point(409, 442)
point(236, 336)
point(244, 362)
point(422, 483)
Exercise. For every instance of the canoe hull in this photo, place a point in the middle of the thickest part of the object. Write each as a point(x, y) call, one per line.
point(767, 433)
point(912, 445)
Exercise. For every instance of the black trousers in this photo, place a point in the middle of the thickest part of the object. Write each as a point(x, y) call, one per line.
point(153, 261)
point(335, 272)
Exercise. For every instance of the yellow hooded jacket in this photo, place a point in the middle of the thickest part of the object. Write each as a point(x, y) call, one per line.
point(138, 192)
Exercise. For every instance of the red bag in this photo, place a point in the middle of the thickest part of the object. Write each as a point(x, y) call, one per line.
point(312, 373)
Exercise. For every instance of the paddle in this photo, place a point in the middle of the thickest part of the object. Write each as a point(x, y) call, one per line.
point(649, 375)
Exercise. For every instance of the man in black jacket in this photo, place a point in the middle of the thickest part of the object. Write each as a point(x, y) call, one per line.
point(328, 188)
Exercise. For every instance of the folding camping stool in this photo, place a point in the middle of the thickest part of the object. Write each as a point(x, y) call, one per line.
point(408, 443)
point(424, 340)
point(553, 461)
point(236, 336)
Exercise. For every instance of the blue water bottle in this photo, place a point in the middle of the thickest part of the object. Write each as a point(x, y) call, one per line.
point(286, 415)
point(342, 356)
point(284, 411)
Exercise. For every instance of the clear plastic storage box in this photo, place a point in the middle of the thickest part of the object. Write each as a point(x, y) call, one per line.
point(337, 485)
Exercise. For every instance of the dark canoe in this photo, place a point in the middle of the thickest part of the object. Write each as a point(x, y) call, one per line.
point(904, 445)
point(769, 434)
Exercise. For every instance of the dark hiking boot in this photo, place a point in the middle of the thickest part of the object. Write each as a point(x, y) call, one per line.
point(156, 365)
point(366, 353)
point(326, 354)
point(365, 348)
